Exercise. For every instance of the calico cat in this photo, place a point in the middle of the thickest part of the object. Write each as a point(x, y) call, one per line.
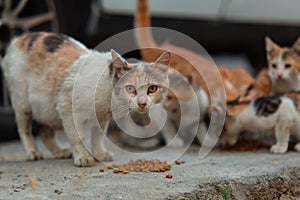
point(283, 66)
point(279, 114)
point(58, 82)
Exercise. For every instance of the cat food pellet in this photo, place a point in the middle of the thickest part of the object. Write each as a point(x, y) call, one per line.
point(162, 170)
point(169, 176)
point(116, 171)
point(141, 165)
point(110, 167)
point(168, 167)
point(177, 162)
point(101, 170)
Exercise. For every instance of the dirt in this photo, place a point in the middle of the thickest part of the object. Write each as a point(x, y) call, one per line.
point(282, 186)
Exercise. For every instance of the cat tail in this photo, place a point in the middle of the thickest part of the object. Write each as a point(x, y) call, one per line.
point(142, 23)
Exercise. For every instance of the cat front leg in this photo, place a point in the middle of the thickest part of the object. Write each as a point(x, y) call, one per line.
point(81, 156)
point(282, 134)
point(75, 134)
point(97, 141)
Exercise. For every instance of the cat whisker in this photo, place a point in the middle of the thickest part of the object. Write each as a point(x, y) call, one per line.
point(120, 112)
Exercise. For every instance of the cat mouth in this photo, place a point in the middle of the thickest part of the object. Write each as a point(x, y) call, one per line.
point(174, 110)
point(143, 110)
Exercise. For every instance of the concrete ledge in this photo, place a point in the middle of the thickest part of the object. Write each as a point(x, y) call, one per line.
point(241, 175)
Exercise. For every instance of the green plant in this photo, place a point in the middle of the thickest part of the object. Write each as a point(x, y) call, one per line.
point(225, 191)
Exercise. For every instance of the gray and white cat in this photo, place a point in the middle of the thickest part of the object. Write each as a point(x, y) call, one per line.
point(186, 108)
point(61, 84)
point(278, 114)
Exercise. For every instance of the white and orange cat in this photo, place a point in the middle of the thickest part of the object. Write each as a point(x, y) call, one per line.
point(61, 84)
point(278, 114)
point(283, 66)
point(186, 62)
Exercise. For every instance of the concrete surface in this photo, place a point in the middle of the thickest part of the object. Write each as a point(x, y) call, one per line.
point(221, 175)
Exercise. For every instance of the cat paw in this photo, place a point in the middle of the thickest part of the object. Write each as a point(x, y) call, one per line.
point(278, 149)
point(64, 153)
point(105, 156)
point(34, 155)
point(176, 142)
point(297, 147)
point(227, 142)
point(84, 161)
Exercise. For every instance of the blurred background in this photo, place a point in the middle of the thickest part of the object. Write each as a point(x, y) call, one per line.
point(232, 31)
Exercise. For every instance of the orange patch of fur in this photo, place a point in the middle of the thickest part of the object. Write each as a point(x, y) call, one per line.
point(240, 81)
point(41, 60)
point(264, 82)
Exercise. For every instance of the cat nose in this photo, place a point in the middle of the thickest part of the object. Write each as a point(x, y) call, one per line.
point(142, 105)
point(280, 76)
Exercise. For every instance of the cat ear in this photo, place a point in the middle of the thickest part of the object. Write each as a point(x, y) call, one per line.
point(270, 47)
point(296, 47)
point(163, 61)
point(119, 64)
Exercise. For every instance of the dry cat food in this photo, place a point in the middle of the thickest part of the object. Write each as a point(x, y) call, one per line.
point(177, 162)
point(169, 176)
point(141, 165)
point(101, 170)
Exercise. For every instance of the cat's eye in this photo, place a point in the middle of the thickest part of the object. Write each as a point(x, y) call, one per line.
point(130, 89)
point(274, 66)
point(152, 89)
point(287, 66)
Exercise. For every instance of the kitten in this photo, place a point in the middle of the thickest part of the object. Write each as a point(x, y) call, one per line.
point(53, 79)
point(283, 66)
point(279, 114)
point(180, 105)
